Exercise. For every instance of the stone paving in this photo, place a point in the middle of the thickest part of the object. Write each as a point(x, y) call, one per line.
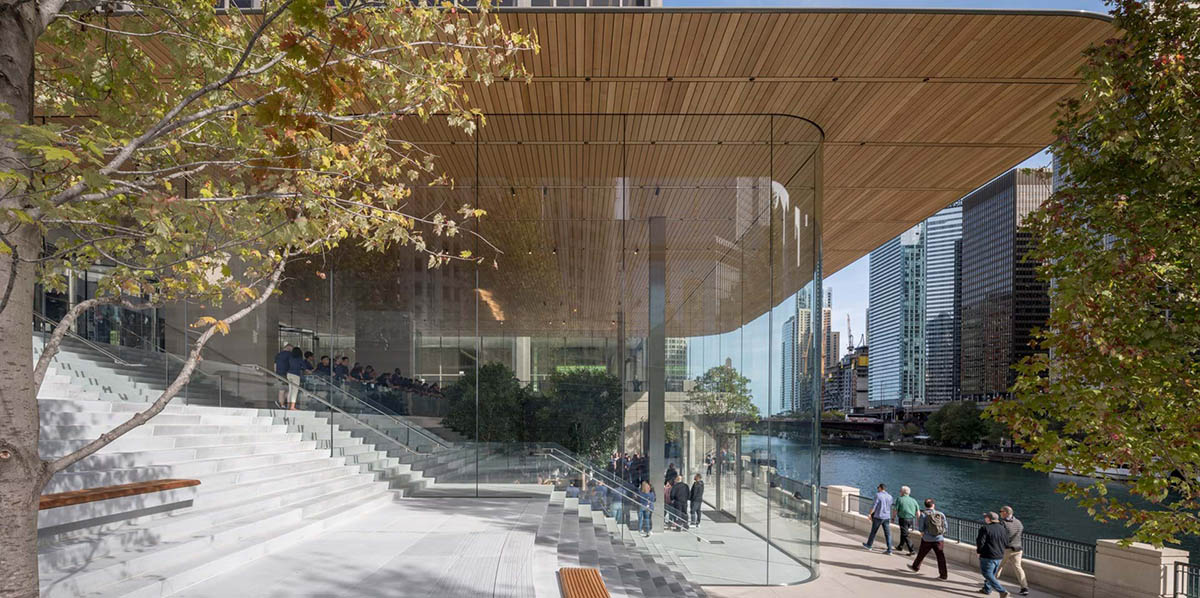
point(847, 569)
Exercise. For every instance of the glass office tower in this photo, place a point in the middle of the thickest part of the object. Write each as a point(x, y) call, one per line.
point(639, 271)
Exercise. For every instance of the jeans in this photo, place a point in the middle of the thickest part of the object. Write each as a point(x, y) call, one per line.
point(1013, 557)
point(695, 513)
point(905, 526)
point(936, 547)
point(876, 523)
point(988, 568)
point(644, 521)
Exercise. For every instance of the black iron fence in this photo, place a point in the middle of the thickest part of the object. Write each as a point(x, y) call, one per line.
point(1187, 580)
point(1060, 552)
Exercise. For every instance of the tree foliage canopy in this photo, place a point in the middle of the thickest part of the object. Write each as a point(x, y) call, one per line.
point(1121, 242)
point(960, 424)
point(721, 397)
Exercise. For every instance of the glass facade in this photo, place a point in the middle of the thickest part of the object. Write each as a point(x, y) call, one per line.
point(943, 302)
point(1002, 299)
point(650, 288)
point(896, 321)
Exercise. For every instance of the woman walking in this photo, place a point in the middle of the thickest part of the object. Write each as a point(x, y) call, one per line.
point(297, 366)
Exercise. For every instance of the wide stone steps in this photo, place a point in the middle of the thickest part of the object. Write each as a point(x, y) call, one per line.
point(573, 535)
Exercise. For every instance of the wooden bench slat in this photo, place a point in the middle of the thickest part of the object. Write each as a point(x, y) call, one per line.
point(582, 582)
point(77, 497)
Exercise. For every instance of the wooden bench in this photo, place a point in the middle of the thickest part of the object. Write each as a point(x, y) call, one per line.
point(581, 582)
point(79, 509)
point(78, 497)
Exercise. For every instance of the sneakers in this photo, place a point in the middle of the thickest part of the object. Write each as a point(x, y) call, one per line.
point(1024, 592)
point(1003, 594)
point(889, 553)
point(867, 546)
point(911, 568)
point(985, 591)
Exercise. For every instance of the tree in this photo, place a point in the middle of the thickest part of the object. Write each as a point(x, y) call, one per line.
point(498, 410)
point(959, 424)
point(721, 400)
point(582, 412)
point(1120, 241)
point(194, 153)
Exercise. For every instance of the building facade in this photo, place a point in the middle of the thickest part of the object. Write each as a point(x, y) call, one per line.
point(1002, 299)
point(943, 304)
point(896, 320)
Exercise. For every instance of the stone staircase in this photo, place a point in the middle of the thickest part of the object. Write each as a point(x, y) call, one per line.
point(574, 535)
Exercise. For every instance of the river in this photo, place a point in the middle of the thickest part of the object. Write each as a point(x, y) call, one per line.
point(962, 487)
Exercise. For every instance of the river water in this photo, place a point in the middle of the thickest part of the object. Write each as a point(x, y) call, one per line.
point(962, 487)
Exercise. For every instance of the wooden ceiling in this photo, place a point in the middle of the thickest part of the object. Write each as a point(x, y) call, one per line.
point(639, 113)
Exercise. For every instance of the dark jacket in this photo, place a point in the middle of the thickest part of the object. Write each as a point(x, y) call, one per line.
point(282, 359)
point(697, 492)
point(679, 494)
point(991, 540)
point(1015, 528)
point(670, 477)
point(297, 366)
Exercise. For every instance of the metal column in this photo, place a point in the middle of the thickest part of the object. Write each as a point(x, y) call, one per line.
point(656, 357)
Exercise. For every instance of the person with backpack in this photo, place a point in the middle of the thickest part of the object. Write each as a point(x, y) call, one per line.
point(906, 513)
point(932, 524)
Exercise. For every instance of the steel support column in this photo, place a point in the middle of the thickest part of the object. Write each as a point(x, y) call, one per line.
point(656, 358)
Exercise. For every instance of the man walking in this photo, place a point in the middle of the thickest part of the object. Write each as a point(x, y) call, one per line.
point(933, 529)
point(1012, 552)
point(697, 497)
point(881, 515)
point(680, 495)
point(906, 513)
point(989, 544)
point(282, 360)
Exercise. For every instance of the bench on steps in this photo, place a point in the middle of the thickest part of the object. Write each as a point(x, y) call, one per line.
point(581, 582)
point(77, 509)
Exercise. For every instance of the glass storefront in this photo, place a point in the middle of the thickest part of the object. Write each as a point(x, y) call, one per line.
point(605, 236)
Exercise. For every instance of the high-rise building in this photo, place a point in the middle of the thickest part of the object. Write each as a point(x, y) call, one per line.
point(829, 353)
point(676, 363)
point(1002, 298)
point(896, 320)
point(943, 303)
point(845, 386)
point(787, 352)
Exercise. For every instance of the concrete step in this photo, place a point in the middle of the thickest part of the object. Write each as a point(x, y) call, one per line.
point(142, 458)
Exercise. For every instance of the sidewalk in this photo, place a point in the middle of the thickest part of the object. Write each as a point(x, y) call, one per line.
point(848, 569)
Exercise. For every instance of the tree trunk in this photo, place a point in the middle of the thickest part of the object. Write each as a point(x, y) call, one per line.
point(20, 465)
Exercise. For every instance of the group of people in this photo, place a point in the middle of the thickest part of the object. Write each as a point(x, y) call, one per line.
point(683, 501)
point(630, 467)
point(998, 542)
point(294, 364)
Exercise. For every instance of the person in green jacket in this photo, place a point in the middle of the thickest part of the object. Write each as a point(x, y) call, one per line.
point(906, 513)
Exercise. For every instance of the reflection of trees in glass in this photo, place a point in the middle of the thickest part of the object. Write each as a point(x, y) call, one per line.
point(721, 400)
point(579, 409)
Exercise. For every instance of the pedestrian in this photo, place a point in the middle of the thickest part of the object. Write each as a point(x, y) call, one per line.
point(989, 544)
point(1012, 552)
point(932, 525)
point(697, 500)
point(282, 359)
point(881, 516)
point(645, 504)
point(680, 495)
point(708, 463)
point(297, 367)
point(672, 473)
point(906, 513)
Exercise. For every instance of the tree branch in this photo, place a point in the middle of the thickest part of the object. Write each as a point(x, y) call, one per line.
point(49, 468)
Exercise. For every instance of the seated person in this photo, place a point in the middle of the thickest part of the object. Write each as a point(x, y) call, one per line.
point(324, 369)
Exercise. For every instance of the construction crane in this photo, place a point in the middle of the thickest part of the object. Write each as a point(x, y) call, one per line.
point(849, 335)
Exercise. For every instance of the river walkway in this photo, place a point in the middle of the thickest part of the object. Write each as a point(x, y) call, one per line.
point(847, 569)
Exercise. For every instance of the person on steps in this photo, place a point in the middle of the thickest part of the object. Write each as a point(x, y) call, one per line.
point(881, 516)
point(297, 367)
point(680, 495)
point(989, 544)
point(1012, 552)
point(906, 513)
point(932, 524)
point(282, 359)
point(646, 504)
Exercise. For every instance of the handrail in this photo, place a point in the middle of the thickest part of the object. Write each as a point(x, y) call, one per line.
point(396, 418)
point(598, 472)
point(423, 433)
point(332, 407)
point(93, 345)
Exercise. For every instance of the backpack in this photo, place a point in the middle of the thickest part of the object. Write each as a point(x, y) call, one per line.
point(935, 524)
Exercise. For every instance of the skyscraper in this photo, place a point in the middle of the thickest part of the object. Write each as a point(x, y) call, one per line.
point(828, 347)
point(787, 352)
point(896, 320)
point(943, 302)
point(1002, 299)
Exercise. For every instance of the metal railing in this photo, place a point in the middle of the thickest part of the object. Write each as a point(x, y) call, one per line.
point(44, 321)
point(1060, 552)
point(1187, 580)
